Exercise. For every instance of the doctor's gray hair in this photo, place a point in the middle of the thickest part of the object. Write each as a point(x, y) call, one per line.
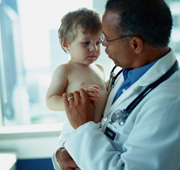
point(151, 20)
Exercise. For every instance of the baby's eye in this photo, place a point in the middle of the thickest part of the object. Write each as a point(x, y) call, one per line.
point(86, 43)
point(98, 43)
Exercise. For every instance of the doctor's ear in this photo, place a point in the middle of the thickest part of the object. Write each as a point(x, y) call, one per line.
point(136, 44)
point(64, 44)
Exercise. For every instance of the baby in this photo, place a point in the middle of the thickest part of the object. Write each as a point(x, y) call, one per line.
point(79, 37)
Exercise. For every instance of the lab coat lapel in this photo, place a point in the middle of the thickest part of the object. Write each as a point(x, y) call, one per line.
point(129, 92)
point(109, 106)
point(126, 96)
point(112, 94)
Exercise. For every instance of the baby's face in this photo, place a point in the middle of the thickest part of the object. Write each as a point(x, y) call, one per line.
point(85, 49)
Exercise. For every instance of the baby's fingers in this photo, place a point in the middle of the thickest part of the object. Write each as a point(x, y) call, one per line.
point(93, 96)
point(93, 88)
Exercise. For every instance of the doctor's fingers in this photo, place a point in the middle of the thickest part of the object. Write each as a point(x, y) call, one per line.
point(65, 160)
point(76, 98)
point(84, 95)
point(80, 97)
point(68, 167)
point(67, 99)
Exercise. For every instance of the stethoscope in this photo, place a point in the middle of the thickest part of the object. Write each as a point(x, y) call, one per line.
point(113, 77)
point(121, 116)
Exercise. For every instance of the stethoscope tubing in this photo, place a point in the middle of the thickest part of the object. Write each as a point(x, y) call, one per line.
point(152, 86)
point(146, 91)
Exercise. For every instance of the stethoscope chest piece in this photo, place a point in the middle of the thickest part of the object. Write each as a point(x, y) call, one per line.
point(119, 116)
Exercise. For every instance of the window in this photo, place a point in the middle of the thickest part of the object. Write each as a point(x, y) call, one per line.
point(175, 37)
point(30, 52)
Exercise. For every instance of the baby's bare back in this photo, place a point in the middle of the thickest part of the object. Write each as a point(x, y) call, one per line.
point(83, 77)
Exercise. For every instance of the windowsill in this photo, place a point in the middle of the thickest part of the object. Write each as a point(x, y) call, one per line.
point(7, 157)
point(30, 131)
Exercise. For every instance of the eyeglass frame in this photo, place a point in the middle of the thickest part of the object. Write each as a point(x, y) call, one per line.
point(121, 37)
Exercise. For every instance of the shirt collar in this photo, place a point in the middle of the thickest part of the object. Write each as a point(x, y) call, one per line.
point(135, 74)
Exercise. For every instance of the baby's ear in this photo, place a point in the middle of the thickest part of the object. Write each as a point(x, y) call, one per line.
point(64, 44)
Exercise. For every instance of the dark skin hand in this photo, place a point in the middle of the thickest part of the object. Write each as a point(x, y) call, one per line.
point(80, 109)
point(65, 160)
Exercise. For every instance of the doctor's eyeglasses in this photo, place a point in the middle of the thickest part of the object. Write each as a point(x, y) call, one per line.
point(103, 39)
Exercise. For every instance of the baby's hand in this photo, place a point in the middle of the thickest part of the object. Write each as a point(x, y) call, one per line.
point(93, 92)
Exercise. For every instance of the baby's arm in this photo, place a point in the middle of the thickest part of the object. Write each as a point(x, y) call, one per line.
point(54, 100)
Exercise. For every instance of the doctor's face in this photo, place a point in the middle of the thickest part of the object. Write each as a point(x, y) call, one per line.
point(118, 50)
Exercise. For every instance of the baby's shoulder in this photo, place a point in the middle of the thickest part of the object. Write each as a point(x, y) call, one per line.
point(63, 67)
point(62, 70)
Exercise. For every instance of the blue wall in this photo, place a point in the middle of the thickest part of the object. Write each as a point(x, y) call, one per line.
point(34, 164)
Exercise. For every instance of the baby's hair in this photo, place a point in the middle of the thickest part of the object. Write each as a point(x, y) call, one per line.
point(85, 19)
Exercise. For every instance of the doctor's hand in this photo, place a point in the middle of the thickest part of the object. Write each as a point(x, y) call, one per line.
point(79, 108)
point(65, 160)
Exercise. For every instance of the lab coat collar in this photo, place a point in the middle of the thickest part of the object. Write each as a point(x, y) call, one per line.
point(158, 69)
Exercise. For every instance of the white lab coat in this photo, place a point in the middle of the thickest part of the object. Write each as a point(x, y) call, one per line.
point(150, 138)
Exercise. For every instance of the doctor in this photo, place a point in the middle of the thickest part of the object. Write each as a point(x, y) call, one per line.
point(136, 35)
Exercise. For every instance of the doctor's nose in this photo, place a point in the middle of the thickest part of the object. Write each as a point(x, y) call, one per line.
point(103, 40)
point(104, 43)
